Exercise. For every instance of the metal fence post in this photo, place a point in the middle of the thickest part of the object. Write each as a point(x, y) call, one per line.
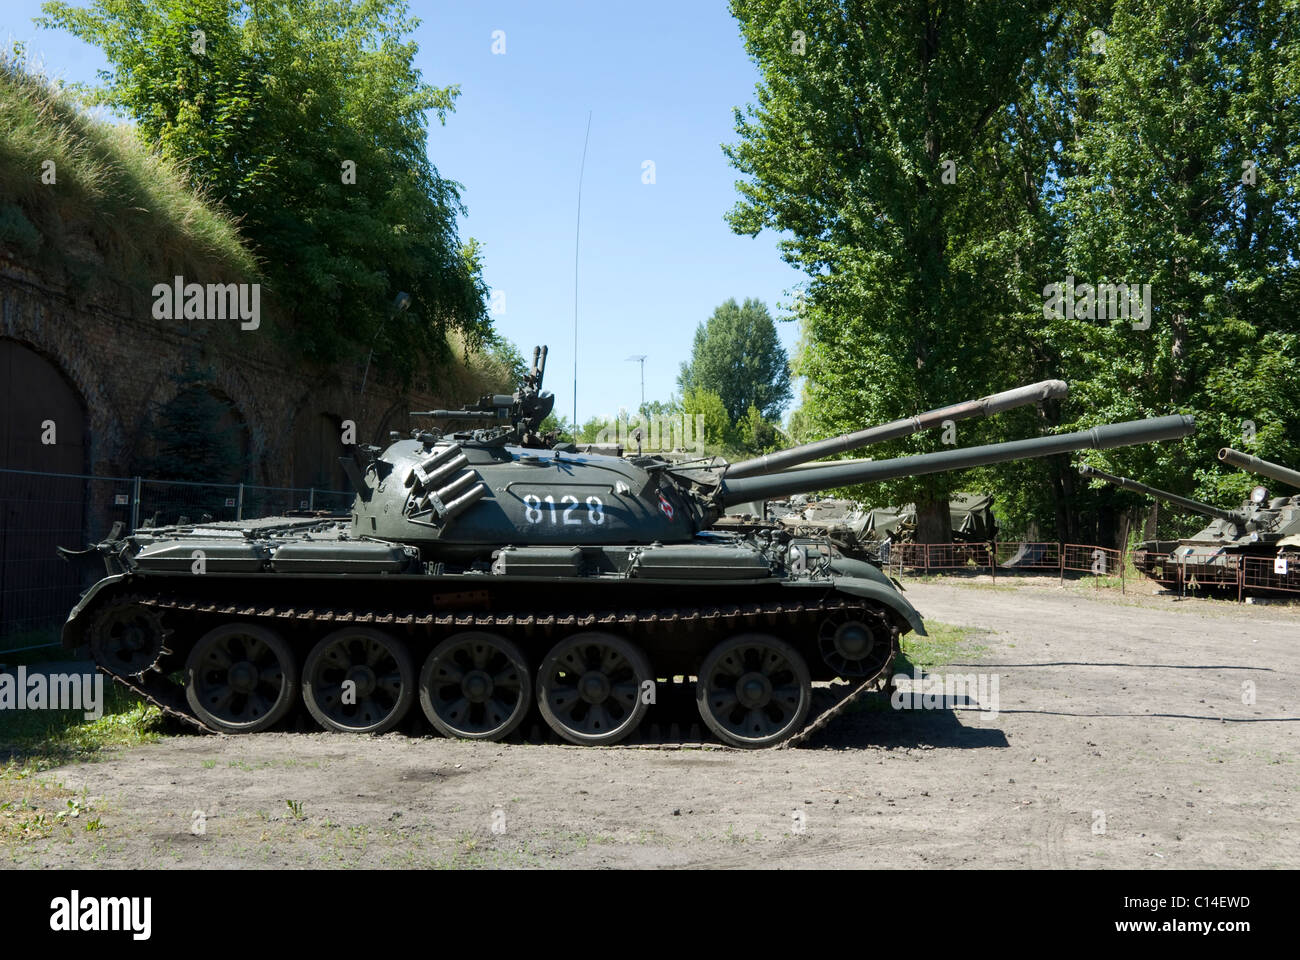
point(239, 504)
point(311, 498)
point(135, 505)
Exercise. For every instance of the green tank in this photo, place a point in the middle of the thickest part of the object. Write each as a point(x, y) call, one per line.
point(1264, 526)
point(483, 576)
point(866, 532)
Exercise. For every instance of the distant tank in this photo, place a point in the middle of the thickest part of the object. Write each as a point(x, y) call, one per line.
point(1263, 526)
point(481, 577)
point(869, 532)
point(1278, 523)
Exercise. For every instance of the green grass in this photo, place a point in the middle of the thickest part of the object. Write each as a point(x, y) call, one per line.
point(946, 643)
point(116, 208)
point(36, 740)
point(45, 640)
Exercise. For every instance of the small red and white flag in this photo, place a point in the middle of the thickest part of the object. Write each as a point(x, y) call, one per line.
point(665, 506)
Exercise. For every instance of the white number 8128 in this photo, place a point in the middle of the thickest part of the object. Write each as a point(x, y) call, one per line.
point(568, 512)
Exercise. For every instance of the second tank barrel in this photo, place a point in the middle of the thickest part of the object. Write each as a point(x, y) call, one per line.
point(1195, 506)
point(1274, 471)
point(772, 486)
point(984, 407)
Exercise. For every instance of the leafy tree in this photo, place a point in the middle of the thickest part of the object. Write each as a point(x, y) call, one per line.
point(738, 357)
point(592, 429)
point(1188, 160)
point(504, 352)
point(307, 119)
point(717, 425)
point(563, 430)
point(757, 434)
point(661, 408)
point(933, 168)
point(866, 152)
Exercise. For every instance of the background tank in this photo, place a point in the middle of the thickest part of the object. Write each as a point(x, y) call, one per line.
point(481, 576)
point(860, 530)
point(1275, 518)
point(1261, 527)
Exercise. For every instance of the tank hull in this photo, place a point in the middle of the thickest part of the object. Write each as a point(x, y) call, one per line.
point(674, 603)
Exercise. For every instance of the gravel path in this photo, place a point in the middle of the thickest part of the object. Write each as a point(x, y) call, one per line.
point(1125, 735)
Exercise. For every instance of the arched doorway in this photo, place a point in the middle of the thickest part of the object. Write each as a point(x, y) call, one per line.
point(199, 436)
point(317, 446)
point(200, 455)
point(43, 432)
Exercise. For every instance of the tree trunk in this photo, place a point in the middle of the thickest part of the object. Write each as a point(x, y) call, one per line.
point(1108, 526)
point(933, 521)
point(1070, 532)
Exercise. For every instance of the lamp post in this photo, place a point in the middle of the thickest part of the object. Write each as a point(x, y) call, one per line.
point(400, 304)
point(640, 358)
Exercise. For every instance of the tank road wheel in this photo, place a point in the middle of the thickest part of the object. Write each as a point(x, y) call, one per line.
point(753, 690)
point(589, 688)
point(127, 638)
point(241, 678)
point(854, 648)
point(475, 686)
point(358, 680)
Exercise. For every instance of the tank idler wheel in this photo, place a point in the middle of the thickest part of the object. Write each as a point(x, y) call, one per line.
point(476, 686)
point(241, 678)
point(358, 680)
point(589, 688)
point(127, 638)
point(753, 690)
point(852, 647)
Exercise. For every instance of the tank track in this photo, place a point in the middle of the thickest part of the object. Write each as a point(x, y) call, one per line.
point(828, 702)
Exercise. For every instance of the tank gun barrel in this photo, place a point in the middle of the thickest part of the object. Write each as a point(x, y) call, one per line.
point(1273, 471)
point(984, 407)
point(1103, 437)
point(1194, 506)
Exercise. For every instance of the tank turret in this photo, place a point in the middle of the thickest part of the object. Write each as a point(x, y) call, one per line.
point(467, 490)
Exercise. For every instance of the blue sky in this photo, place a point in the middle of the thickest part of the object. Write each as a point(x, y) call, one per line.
point(661, 81)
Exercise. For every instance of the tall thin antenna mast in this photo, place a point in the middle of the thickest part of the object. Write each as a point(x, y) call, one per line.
point(577, 232)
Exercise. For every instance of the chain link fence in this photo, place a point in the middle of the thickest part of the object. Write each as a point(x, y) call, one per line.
point(42, 511)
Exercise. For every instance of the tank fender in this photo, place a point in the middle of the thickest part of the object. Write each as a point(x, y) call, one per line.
point(882, 591)
point(70, 636)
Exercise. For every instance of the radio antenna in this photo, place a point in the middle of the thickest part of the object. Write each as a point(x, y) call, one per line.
point(577, 232)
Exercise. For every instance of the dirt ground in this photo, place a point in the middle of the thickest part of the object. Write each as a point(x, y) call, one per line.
point(1124, 737)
